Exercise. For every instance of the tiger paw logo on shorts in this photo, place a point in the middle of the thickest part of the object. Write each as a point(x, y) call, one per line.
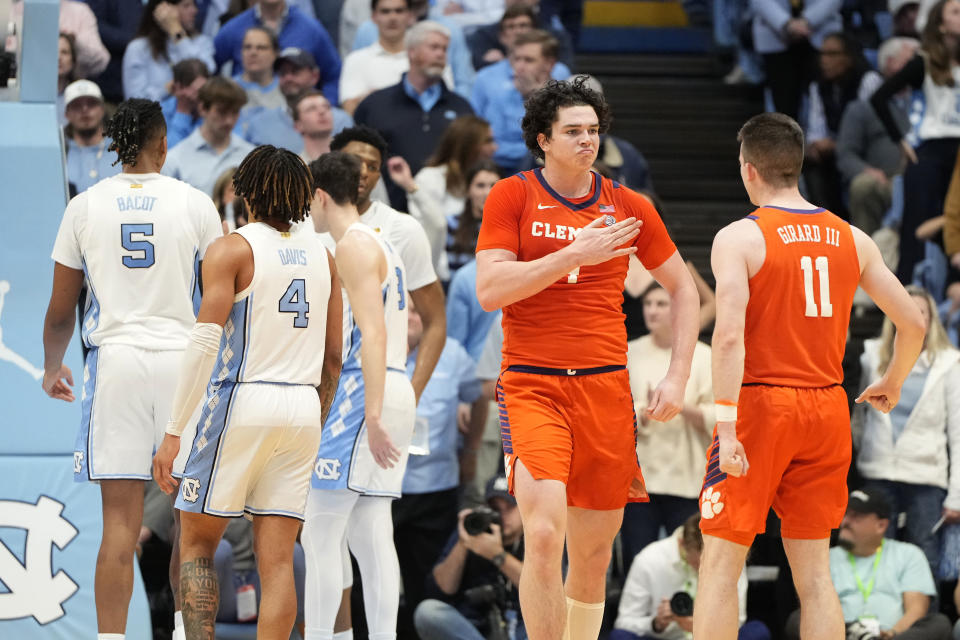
point(710, 504)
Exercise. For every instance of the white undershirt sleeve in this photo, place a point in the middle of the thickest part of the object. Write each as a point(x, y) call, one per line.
point(198, 362)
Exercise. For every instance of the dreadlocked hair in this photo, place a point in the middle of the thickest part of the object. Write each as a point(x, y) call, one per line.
point(135, 123)
point(276, 184)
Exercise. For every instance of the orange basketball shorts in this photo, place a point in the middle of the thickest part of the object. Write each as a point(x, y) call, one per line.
point(798, 445)
point(577, 427)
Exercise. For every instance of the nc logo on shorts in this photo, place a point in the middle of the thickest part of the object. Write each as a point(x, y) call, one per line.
point(327, 469)
point(77, 461)
point(33, 589)
point(710, 504)
point(191, 489)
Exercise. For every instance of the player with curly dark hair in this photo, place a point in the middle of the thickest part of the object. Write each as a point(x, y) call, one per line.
point(276, 185)
point(553, 252)
point(137, 127)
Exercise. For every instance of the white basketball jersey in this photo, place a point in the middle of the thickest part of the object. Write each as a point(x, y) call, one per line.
point(394, 293)
point(277, 328)
point(139, 239)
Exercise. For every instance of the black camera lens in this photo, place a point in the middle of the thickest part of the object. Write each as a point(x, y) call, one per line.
point(479, 520)
point(681, 604)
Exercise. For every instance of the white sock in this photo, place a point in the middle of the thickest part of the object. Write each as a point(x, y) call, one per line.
point(344, 635)
point(110, 636)
point(178, 632)
point(583, 620)
point(317, 634)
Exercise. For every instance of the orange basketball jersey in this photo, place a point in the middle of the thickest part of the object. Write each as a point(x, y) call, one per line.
point(796, 321)
point(577, 321)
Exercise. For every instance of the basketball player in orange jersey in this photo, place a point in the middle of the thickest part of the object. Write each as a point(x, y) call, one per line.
point(553, 252)
point(786, 275)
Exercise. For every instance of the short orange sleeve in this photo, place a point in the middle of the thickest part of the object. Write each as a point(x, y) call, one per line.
point(500, 228)
point(653, 244)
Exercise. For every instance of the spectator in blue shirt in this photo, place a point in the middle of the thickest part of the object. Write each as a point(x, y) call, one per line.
point(165, 37)
point(88, 160)
point(259, 52)
point(297, 73)
point(467, 322)
point(458, 53)
point(181, 109)
point(212, 148)
point(532, 60)
point(293, 29)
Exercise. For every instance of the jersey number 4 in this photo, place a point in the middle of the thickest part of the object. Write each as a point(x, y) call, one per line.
point(138, 246)
point(294, 300)
point(823, 270)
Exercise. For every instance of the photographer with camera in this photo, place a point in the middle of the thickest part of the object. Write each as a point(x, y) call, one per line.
point(885, 586)
point(658, 596)
point(474, 583)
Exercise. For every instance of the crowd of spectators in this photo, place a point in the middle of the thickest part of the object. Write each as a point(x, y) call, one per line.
point(437, 89)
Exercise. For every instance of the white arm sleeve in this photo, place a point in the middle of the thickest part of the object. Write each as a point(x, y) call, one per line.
point(198, 361)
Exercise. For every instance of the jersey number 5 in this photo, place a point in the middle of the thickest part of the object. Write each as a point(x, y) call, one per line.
point(127, 232)
point(294, 300)
point(823, 269)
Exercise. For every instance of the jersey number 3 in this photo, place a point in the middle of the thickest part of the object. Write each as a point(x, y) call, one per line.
point(294, 300)
point(823, 270)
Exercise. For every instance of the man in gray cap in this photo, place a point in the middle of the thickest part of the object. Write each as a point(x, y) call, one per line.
point(88, 160)
point(297, 73)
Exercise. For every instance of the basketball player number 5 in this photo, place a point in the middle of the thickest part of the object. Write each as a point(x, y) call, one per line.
point(823, 270)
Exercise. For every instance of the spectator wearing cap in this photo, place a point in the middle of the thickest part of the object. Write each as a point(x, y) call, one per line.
point(293, 29)
point(258, 78)
point(382, 63)
point(427, 512)
point(88, 160)
point(181, 109)
point(904, 15)
point(78, 20)
point(491, 43)
point(488, 561)
point(659, 573)
point(165, 37)
point(458, 54)
point(867, 158)
point(885, 586)
point(212, 148)
point(904, 453)
point(117, 21)
point(297, 73)
point(532, 59)
point(413, 114)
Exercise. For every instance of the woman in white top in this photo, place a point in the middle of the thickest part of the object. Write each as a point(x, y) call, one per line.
point(166, 36)
point(463, 228)
point(672, 454)
point(904, 453)
point(466, 141)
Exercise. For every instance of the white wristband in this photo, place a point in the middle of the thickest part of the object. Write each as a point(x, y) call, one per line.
point(725, 412)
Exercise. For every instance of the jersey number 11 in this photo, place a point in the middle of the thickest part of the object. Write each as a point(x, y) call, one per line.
point(823, 270)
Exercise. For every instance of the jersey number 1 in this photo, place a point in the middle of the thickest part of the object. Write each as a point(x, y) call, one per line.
point(823, 269)
point(294, 300)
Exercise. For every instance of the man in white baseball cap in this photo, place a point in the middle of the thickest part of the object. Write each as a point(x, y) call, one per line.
point(88, 160)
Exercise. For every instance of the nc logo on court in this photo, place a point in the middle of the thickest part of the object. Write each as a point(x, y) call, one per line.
point(77, 461)
point(327, 469)
point(190, 489)
point(34, 590)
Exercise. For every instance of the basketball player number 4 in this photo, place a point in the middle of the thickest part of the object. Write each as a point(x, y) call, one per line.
point(807, 265)
point(294, 300)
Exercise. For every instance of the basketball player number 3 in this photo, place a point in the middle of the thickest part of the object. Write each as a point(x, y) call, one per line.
point(294, 300)
point(823, 270)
